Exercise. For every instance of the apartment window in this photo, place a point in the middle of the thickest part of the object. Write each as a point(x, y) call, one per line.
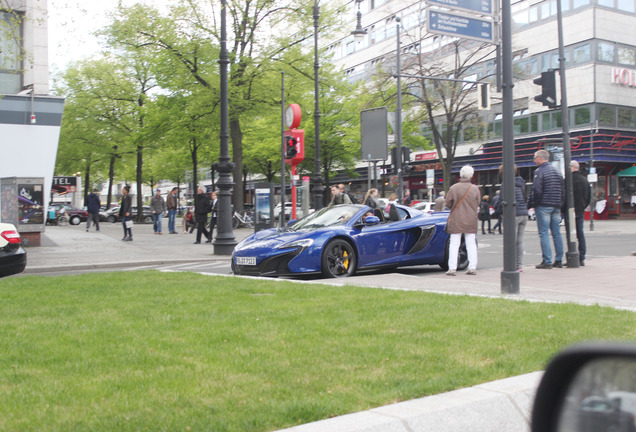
point(627, 117)
point(626, 56)
point(605, 52)
point(606, 3)
point(625, 5)
point(534, 123)
point(522, 125)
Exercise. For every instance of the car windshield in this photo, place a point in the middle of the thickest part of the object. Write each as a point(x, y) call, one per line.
point(327, 217)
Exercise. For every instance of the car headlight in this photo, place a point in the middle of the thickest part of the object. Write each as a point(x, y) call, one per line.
point(301, 244)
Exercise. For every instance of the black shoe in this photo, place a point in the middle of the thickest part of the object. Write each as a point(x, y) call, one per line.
point(557, 264)
point(582, 263)
point(197, 242)
point(125, 238)
point(208, 241)
point(544, 265)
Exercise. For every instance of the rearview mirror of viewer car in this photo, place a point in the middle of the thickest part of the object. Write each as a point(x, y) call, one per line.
point(588, 387)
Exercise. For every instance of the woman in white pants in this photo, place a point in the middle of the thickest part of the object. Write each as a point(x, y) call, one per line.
point(463, 200)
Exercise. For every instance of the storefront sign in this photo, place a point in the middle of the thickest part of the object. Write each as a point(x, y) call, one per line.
point(624, 76)
point(426, 156)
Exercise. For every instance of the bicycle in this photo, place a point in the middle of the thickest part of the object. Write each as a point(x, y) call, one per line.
point(242, 219)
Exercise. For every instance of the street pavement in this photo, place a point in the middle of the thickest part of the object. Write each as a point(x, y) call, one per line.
point(503, 405)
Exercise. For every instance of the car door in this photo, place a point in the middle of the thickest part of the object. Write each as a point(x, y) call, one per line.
point(385, 243)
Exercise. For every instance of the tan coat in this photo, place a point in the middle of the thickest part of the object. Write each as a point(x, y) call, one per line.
point(463, 219)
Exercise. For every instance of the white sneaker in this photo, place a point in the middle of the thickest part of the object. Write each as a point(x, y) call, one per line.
point(451, 273)
point(471, 272)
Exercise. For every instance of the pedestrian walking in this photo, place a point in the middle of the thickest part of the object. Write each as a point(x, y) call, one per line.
point(406, 200)
point(582, 196)
point(463, 200)
point(92, 206)
point(171, 205)
point(213, 214)
point(546, 196)
point(484, 213)
point(440, 202)
point(158, 208)
point(497, 205)
point(202, 207)
point(125, 210)
point(339, 195)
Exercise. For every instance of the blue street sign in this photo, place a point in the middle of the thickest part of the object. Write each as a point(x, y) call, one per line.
point(459, 26)
point(483, 7)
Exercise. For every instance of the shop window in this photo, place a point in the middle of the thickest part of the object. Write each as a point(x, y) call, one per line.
point(556, 119)
point(582, 116)
point(607, 116)
point(605, 52)
point(627, 117)
point(627, 56)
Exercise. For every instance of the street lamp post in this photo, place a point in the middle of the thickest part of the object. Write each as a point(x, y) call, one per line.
point(224, 242)
point(398, 113)
point(318, 188)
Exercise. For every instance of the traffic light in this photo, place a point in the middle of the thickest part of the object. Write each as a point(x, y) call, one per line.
point(548, 89)
point(290, 147)
point(483, 101)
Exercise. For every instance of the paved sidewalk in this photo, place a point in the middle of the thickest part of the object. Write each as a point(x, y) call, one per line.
point(503, 405)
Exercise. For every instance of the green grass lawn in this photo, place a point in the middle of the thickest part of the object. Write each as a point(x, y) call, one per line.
point(151, 351)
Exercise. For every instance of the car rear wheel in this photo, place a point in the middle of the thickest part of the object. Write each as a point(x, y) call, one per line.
point(75, 220)
point(147, 219)
point(111, 219)
point(462, 258)
point(338, 259)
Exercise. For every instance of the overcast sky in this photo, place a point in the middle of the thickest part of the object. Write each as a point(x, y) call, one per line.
point(71, 24)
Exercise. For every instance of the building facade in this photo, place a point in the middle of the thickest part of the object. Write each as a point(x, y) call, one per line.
point(30, 118)
point(600, 61)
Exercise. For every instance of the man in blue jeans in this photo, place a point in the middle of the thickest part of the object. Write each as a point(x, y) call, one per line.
point(546, 197)
point(172, 204)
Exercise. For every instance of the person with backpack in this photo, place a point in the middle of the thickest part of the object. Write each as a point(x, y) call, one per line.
point(484, 213)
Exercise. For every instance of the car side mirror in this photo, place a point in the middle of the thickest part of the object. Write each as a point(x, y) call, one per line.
point(371, 220)
point(588, 387)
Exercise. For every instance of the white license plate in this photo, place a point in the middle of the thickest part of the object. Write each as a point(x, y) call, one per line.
point(246, 260)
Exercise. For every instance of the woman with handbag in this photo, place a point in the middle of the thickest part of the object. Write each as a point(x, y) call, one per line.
point(125, 210)
point(463, 200)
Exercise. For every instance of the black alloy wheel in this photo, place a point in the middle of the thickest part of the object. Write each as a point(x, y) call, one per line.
point(338, 259)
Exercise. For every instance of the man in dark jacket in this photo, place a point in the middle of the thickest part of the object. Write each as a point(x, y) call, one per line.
point(92, 206)
point(546, 197)
point(125, 211)
point(582, 196)
point(202, 207)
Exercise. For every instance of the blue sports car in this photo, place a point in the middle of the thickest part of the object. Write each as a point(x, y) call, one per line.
point(338, 241)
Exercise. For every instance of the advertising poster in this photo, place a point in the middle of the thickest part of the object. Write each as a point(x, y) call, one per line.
point(30, 204)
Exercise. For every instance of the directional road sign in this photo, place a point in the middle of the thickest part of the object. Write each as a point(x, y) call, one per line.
point(459, 26)
point(483, 7)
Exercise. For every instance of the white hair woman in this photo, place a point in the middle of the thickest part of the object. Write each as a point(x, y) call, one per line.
point(463, 200)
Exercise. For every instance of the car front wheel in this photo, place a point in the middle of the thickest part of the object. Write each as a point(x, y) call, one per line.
point(338, 259)
point(111, 219)
point(147, 219)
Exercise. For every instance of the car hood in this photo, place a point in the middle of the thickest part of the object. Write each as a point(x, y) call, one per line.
point(273, 238)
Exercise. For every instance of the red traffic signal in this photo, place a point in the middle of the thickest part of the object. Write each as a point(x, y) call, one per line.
point(290, 147)
point(294, 146)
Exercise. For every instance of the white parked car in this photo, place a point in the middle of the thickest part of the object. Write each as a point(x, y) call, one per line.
point(288, 210)
point(12, 256)
point(426, 206)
